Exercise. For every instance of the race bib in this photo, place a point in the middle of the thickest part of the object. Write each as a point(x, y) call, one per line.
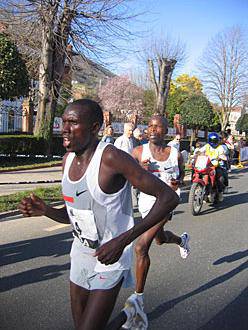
point(84, 226)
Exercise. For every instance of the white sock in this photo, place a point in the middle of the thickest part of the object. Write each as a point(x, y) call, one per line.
point(140, 296)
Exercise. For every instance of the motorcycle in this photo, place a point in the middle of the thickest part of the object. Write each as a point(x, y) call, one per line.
point(204, 185)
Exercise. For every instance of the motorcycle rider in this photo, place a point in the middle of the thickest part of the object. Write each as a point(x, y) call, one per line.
point(215, 151)
point(226, 164)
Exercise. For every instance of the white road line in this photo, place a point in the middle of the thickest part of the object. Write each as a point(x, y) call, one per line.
point(61, 225)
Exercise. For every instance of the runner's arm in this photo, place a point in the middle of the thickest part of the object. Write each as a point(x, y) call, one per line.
point(166, 201)
point(35, 206)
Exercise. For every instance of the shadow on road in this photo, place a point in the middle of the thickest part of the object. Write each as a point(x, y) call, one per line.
point(229, 201)
point(51, 246)
point(166, 306)
point(234, 316)
point(32, 276)
point(232, 257)
point(56, 245)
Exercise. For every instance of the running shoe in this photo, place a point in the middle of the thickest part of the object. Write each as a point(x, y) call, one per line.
point(226, 190)
point(137, 319)
point(184, 246)
point(220, 197)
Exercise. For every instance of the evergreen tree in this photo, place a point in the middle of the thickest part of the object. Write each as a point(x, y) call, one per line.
point(14, 80)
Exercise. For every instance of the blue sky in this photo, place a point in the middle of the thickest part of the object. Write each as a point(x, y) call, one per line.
point(195, 22)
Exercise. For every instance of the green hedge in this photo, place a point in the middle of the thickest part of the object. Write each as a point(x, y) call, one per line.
point(29, 145)
point(49, 194)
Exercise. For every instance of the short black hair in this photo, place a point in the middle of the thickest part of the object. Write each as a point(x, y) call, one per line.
point(89, 107)
point(228, 131)
point(162, 118)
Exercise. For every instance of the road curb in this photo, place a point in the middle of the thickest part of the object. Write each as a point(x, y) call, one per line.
point(31, 182)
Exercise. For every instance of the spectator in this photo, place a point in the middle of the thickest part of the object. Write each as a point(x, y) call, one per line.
point(230, 144)
point(108, 135)
point(175, 142)
point(185, 156)
point(137, 137)
point(125, 141)
point(197, 147)
point(145, 137)
point(242, 143)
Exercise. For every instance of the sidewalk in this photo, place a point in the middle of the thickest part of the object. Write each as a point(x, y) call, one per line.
point(47, 174)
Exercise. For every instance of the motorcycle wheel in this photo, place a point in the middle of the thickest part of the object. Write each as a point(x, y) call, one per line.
point(196, 195)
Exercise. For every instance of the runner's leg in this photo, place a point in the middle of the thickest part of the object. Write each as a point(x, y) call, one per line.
point(142, 255)
point(98, 308)
point(79, 297)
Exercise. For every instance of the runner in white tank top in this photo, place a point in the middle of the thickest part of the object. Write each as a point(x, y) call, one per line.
point(165, 163)
point(166, 170)
point(98, 206)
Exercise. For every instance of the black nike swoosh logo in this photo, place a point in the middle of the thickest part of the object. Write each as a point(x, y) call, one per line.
point(167, 168)
point(81, 192)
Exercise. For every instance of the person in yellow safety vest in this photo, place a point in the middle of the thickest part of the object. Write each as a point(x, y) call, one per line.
point(216, 153)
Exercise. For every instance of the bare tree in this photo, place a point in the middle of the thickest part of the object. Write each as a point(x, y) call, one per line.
point(223, 70)
point(162, 56)
point(90, 26)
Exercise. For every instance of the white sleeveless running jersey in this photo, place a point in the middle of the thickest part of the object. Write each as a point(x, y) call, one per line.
point(164, 170)
point(96, 217)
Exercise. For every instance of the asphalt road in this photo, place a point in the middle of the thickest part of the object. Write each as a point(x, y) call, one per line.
point(206, 291)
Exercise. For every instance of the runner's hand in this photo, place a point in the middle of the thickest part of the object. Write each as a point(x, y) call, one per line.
point(174, 184)
point(145, 164)
point(111, 251)
point(32, 206)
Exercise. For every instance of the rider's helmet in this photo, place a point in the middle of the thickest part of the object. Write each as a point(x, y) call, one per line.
point(213, 139)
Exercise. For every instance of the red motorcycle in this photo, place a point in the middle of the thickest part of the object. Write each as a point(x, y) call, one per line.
point(203, 184)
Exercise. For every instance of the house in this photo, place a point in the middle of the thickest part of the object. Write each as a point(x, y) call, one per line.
point(233, 118)
point(84, 77)
point(11, 116)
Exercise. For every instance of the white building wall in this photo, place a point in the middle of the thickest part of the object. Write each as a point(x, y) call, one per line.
point(234, 116)
point(6, 108)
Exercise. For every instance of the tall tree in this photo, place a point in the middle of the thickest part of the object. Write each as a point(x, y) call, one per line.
point(162, 57)
point(90, 26)
point(121, 97)
point(224, 71)
point(14, 79)
point(181, 89)
point(242, 123)
point(149, 102)
point(196, 112)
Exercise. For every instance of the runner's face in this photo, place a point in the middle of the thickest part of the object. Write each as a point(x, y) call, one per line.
point(156, 130)
point(77, 133)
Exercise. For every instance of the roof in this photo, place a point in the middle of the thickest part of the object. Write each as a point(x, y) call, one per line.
point(85, 71)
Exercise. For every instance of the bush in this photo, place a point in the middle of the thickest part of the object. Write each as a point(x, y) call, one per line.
point(29, 145)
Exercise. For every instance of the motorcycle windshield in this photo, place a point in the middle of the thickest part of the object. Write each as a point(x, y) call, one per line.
point(201, 162)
